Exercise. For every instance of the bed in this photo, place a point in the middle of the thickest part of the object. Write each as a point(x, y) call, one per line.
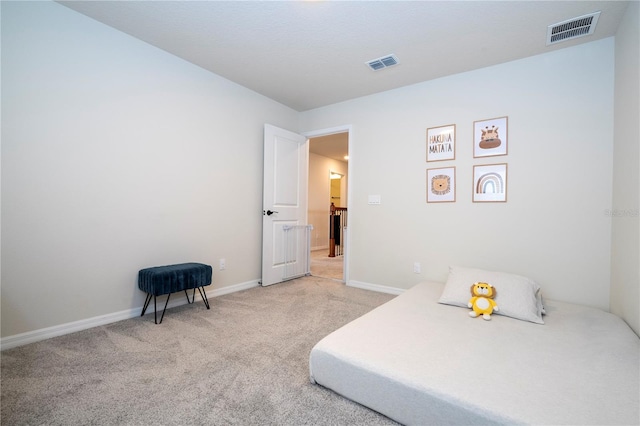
point(420, 362)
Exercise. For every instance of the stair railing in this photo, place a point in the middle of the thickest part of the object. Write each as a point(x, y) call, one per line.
point(337, 223)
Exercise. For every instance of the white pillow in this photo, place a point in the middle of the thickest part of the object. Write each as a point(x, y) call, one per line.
point(516, 296)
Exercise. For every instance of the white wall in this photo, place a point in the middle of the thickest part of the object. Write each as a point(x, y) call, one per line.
point(320, 198)
point(553, 228)
point(118, 156)
point(625, 253)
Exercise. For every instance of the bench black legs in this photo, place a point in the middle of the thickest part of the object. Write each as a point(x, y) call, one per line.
point(203, 294)
point(155, 309)
point(146, 303)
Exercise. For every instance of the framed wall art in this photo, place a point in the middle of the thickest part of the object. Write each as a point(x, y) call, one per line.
point(441, 185)
point(490, 137)
point(441, 143)
point(490, 183)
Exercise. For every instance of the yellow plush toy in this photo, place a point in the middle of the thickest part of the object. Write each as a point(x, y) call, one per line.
point(482, 301)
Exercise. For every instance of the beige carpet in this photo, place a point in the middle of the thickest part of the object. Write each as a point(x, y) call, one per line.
point(244, 362)
point(327, 267)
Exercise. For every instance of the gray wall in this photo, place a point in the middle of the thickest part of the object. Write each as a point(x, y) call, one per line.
point(553, 227)
point(118, 156)
point(625, 253)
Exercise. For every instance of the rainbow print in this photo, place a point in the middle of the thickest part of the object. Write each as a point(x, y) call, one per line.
point(490, 183)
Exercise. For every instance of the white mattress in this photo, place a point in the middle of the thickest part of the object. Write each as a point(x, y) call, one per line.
point(420, 363)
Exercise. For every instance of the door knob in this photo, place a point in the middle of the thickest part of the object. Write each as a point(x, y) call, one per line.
point(269, 212)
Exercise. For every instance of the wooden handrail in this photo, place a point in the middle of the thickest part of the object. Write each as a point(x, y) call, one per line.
point(337, 209)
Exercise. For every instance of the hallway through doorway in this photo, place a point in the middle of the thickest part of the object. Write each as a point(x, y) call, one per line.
point(326, 267)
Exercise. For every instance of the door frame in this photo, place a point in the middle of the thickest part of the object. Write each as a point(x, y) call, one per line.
point(347, 128)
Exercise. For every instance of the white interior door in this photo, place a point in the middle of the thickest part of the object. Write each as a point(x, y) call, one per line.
point(284, 200)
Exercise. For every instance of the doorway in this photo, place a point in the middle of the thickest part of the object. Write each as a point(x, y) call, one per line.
point(328, 183)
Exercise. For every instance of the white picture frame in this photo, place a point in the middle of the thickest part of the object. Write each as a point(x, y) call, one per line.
point(490, 183)
point(441, 185)
point(441, 143)
point(490, 137)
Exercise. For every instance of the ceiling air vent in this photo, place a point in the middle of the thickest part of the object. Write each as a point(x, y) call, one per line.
point(383, 62)
point(572, 28)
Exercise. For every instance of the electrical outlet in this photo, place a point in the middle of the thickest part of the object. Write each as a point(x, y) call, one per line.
point(375, 199)
point(223, 264)
point(416, 267)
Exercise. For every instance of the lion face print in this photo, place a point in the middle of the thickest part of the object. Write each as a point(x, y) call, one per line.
point(440, 184)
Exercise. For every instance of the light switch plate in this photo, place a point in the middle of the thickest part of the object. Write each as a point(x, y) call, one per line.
point(374, 199)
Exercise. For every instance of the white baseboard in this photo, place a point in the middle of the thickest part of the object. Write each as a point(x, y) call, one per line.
point(71, 327)
point(376, 287)
point(234, 288)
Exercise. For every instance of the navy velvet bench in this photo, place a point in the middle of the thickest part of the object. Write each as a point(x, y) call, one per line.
point(169, 279)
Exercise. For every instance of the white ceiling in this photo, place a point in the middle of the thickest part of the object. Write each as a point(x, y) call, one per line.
point(309, 54)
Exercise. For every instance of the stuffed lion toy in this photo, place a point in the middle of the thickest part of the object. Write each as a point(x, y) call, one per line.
point(482, 301)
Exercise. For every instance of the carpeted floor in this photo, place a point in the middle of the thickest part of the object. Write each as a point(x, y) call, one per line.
point(327, 267)
point(244, 362)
